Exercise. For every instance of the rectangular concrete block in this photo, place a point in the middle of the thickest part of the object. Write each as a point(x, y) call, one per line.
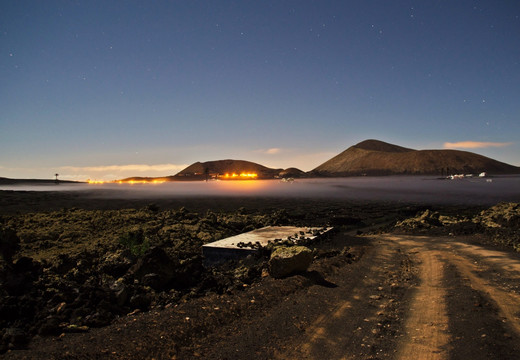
point(239, 246)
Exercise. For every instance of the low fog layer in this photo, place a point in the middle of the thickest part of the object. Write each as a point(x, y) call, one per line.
point(401, 189)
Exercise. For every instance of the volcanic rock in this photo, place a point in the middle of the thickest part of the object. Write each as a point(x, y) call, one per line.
point(428, 219)
point(501, 215)
point(15, 337)
point(50, 326)
point(155, 262)
point(286, 261)
point(141, 301)
point(117, 263)
point(121, 291)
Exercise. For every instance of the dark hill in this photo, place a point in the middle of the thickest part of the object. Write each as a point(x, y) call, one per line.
point(373, 157)
point(221, 167)
point(292, 172)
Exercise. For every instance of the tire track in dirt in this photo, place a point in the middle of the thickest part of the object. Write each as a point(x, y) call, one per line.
point(476, 330)
point(352, 327)
point(458, 253)
point(482, 275)
point(426, 327)
point(508, 303)
point(504, 262)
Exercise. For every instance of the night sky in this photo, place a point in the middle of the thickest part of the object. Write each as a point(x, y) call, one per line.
point(109, 89)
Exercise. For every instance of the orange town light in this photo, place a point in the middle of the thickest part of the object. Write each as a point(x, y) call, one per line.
point(242, 175)
point(132, 182)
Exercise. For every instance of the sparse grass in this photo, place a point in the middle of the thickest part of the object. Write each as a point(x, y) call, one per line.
point(135, 241)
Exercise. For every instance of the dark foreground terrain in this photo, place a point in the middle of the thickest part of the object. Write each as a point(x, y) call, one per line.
point(126, 279)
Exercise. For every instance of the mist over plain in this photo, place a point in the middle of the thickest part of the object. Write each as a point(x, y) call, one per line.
point(406, 189)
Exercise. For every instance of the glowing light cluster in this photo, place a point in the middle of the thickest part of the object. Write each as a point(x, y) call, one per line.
point(140, 182)
point(240, 176)
point(95, 181)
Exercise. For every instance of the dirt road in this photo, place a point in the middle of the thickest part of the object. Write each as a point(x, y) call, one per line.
point(410, 297)
point(392, 297)
point(465, 304)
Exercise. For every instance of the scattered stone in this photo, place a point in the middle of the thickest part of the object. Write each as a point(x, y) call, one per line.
point(155, 267)
point(117, 263)
point(76, 328)
point(85, 277)
point(15, 337)
point(50, 326)
point(99, 318)
point(141, 301)
point(121, 291)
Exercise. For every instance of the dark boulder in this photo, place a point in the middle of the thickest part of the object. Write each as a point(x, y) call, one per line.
point(141, 301)
point(15, 338)
point(156, 262)
point(286, 261)
point(117, 263)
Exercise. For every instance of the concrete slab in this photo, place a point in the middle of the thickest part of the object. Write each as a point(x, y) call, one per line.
point(239, 246)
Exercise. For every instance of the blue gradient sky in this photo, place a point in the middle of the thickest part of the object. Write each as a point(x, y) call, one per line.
point(107, 89)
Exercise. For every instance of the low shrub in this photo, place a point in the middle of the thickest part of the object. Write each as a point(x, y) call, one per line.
point(135, 241)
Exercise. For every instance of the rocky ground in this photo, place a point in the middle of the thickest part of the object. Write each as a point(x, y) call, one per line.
point(499, 224)
point(96, 281)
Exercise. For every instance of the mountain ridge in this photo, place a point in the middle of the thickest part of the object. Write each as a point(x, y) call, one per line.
point(378, 145)
point(376, 158)
point(369, 157)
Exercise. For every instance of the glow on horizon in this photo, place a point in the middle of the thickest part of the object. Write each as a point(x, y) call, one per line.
point(475, 144)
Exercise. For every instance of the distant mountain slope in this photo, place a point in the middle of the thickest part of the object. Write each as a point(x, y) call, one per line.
point(373, 157)
point(228, 166)
point(9, 181)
